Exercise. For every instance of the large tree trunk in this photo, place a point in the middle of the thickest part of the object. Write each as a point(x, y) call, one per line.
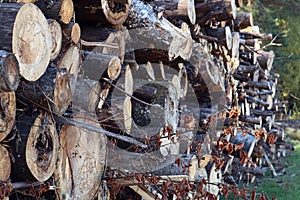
point(26, 32)
point(80, 170)
point(35, 148)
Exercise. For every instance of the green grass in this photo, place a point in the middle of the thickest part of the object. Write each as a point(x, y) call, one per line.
point(283, 187)
point(287, 186)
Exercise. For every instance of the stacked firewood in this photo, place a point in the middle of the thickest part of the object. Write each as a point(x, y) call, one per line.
point(167, 98)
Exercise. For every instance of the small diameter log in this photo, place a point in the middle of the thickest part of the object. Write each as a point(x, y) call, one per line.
point(97, 65)
point(62, 10)
point(149, 31)
point(263, 113)
point(116, 12)
point(181, 9)
point(247, 68)
point(9, 72)
point(8, 113)
point(253, 170)
point(104, 12)
point(184, 165)
point(86, 96)
point(56, 35)
point(248, 141)
point(51, 92)
point(71, 33)
point(265, 59)
point(5, 164)
point(35, 149)
point(25, 32)
point(219, 10)
point(223, 35)
point(260, 84)
point(71, 61)
point(85, 162)
point(251, 119)
point(243, 20)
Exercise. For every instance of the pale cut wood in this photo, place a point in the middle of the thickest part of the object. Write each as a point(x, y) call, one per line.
point(86, 96)
point(9, 68)
point(71, 61)
point(86, 151)
point(214, 176)
point(8, 108)
point(62, 10)
point(42, 147)
point(5, 164)
point(56, 35)
point(31, 42)
point(127, 110)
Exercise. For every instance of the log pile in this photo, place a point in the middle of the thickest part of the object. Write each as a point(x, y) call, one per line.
point(107, 99)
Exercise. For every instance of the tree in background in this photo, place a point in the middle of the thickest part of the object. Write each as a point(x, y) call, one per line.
point(282, 19)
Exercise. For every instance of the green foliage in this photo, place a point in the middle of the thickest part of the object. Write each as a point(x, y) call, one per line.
point(282, 19)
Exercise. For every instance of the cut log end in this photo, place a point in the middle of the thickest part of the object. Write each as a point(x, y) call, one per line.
point(75, 33)
point(114, 16)
point(31, 42)
point(8, 107)
point(42, 148)
point(114, 68)
point(5, 164)
point(66, 11)
point(9, 73)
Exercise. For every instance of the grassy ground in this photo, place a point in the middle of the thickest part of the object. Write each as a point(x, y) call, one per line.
point(285, 186)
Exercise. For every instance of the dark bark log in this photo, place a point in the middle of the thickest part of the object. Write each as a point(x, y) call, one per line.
point(219, 10)
point(247, 68)
point(71, 33)
point(148, 31)
point(223, 35)
point(62, 10)
point(243, 20)
point(182, 9)
point(265, 59)
point(251, 119)
point(51, 92)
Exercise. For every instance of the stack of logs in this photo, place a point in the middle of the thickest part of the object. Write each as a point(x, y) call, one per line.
point(105, 99)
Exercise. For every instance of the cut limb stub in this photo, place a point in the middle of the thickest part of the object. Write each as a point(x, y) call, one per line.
point(42, 147)
point(85, 162)
point(9, 72)
point(8, 108)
